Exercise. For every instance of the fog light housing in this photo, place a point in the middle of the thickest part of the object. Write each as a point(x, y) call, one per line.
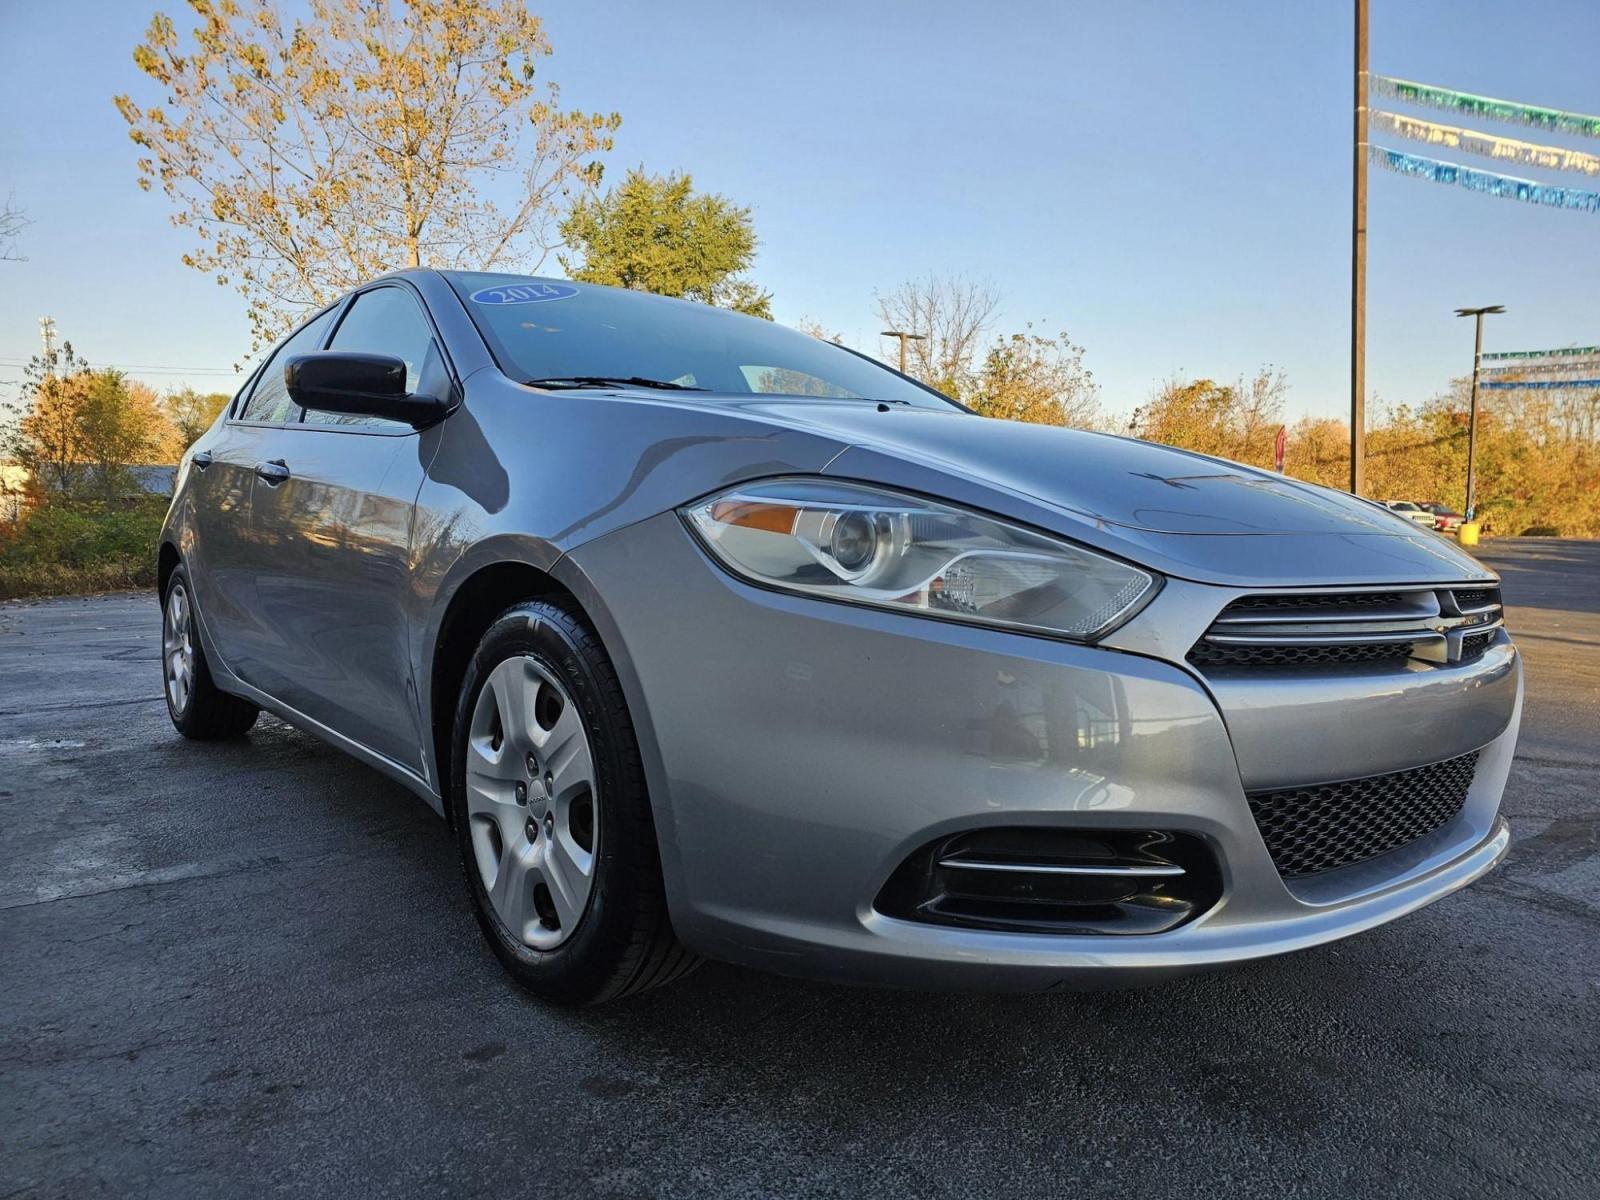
point(1053, 881)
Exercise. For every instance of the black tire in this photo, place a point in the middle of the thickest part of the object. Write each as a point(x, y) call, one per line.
point(205, 713)
point(624, 942)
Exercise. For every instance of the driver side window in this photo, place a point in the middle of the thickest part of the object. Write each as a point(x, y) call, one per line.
point(270, 401)
point(387, 320)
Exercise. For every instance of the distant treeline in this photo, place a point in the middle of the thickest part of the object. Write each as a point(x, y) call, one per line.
point(1538, 455)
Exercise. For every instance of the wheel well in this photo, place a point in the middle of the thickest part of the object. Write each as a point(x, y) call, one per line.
point(473, 608)
point(166, 563)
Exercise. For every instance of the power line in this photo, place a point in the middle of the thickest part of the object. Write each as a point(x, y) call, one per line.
point(164, 368)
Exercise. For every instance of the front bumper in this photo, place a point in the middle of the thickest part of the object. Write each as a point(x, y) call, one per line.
point(798, 751)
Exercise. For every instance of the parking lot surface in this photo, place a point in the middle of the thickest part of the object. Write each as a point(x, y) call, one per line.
point(251, 967)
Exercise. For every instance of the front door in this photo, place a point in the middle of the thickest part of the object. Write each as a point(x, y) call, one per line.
point(223, 476)
point(331, 514)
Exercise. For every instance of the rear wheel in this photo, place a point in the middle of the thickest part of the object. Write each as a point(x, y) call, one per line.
point(552, 817)
point(198, 709)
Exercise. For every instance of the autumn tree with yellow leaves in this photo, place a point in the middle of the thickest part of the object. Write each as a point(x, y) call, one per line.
point(77, 429)
point(308, 155)
point(1031, 377)
point(1229, 420)
point(1538, 459)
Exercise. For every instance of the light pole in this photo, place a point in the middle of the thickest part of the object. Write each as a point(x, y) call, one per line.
point(1358, 267)
point(1472, 415)
point(904, 338)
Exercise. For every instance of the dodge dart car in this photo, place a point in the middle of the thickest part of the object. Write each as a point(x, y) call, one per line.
point(712, 639)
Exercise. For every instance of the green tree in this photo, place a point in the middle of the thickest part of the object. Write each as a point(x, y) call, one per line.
point(118, 425)
point(307, 154)
point(655, 233)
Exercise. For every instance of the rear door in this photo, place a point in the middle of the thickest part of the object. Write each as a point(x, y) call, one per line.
point(221, 558)
point(330, 520)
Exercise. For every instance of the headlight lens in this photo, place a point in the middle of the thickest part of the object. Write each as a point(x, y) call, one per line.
point(871, 546)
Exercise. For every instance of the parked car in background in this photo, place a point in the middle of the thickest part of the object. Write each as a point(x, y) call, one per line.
point(1410, 512)
point(1445, 520)
point(710, 638)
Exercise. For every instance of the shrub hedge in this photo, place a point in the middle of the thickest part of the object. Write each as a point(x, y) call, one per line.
point(65, 547)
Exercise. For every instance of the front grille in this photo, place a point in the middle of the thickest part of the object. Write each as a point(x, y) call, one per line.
point(1347, 601)
point(1312, 829)
point(1471, 598)
point(1212, 654)
point(1322, 631)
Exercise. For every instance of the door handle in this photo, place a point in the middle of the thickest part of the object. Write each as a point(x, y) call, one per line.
point(202, 459)
point(273, 472)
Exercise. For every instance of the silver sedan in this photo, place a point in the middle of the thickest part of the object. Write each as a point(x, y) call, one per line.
point(711, 639)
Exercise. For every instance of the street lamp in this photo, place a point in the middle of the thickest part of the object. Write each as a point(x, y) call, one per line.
point(1472, 416)
point(904, 338)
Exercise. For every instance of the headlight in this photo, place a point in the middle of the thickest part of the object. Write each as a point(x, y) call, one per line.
point(868, 546)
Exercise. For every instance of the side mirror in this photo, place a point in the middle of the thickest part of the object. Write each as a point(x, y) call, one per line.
point(363, 385)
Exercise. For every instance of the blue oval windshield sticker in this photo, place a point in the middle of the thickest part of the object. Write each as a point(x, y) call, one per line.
point(524, 293)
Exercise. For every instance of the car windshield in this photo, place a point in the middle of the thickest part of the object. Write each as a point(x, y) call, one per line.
point(571, 334)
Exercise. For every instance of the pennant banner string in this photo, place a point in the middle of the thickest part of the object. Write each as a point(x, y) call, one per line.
point(1506, 149)
point(1564, 352)
point(1506, 186)
point(1582, 366)
point(1553, 119)
point(1542, 385)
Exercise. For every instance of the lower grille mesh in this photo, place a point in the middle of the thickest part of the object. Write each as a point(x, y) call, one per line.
point(1319, 828)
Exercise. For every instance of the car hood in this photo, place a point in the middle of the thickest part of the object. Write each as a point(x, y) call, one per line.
point(1188, 514)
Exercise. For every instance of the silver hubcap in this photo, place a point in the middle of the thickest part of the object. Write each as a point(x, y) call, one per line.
point(531, 803)
point(177, 649)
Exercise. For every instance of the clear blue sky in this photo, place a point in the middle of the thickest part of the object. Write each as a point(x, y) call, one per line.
point(1169, 182)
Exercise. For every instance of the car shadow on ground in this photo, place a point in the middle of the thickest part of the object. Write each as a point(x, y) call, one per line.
point(1215, 1039)
point(283, 956)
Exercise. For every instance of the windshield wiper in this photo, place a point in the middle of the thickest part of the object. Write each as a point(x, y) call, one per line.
point(589, 381)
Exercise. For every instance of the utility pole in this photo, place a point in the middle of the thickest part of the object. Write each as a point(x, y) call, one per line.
point(1472, 415)
point(47, 334)
point(904, 338)
point(1358, 268)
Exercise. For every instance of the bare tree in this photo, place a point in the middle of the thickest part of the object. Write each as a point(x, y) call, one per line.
point(952, 314)
point(12, 223)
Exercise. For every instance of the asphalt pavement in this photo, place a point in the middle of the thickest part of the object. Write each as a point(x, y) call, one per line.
point(251, 968)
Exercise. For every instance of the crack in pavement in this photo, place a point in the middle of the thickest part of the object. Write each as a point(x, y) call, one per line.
point(51, 708)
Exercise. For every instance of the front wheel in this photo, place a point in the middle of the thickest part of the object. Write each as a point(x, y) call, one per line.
point(552, 817)
point(198, 708)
